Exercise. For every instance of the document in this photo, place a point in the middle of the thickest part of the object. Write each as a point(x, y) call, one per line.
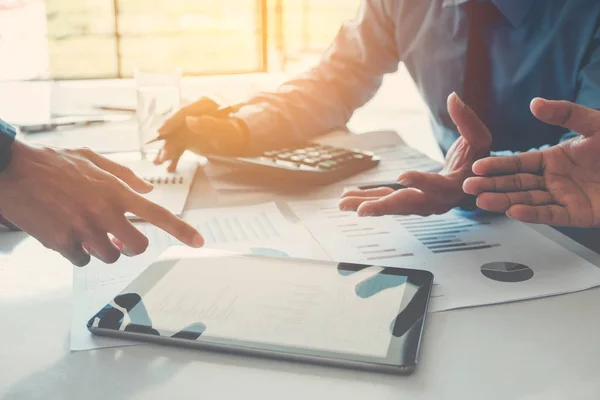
point(259, 229)
point(395, 159)
point(171, 189)
point(477, 258)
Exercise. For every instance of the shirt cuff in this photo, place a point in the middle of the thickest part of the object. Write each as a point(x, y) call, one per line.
point(7, 138)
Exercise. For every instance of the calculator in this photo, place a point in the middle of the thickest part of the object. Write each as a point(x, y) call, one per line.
point(310, 164)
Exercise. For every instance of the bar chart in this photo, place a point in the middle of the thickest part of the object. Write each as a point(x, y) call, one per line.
point(374, 241)
point(446, 234)
point(224, 228)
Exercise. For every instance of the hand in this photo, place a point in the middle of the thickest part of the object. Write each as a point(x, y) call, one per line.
point(558, 186)
point(430, 193)
point(71, 199)
point(199, 132)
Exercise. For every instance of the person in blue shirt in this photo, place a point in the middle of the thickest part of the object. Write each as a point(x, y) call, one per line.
point(71, 200)
point(496, 55)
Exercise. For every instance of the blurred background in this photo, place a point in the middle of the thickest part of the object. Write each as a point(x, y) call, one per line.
point(66, 39)
point(227, 49)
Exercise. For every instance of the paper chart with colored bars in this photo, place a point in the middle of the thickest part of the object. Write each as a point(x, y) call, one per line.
point(477, 258)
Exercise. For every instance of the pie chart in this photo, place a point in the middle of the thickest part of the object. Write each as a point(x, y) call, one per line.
point(504, 271)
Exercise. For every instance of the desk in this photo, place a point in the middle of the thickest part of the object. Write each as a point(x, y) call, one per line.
point(543, 349)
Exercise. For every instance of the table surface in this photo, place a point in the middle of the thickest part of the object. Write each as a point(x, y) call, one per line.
point(540, 349)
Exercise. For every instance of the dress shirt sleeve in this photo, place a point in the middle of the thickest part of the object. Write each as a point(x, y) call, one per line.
point(325, 97)
point(7, 137)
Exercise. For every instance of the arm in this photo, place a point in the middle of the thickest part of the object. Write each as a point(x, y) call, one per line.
point(347, 77)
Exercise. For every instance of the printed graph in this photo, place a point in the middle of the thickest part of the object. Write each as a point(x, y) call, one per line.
point(374, 242)
point(223, 229)
point(446, 234)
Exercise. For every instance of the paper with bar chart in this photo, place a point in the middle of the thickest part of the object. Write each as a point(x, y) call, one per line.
point(476, 258)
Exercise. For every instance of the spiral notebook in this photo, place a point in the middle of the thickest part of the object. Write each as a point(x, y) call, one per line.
point(171, 190)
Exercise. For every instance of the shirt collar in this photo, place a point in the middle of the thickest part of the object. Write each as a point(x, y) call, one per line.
point(513, 10)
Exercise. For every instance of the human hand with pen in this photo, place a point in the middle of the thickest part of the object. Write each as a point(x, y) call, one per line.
point(202, 127)
point(430, 193)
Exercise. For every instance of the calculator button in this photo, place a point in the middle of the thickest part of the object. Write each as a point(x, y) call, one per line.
point(339, 153)
point(310, 161)
point(313, 154)
point(296, 159)
point(300, 152)
point(327, 164)
point(284, 156)
point(286, 164)
point(270, 153)
point(325, 157)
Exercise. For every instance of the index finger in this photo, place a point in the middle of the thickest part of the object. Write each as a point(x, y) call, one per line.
point(530, 162)
point(202, 106)
point(120, 171)
point(165, 220)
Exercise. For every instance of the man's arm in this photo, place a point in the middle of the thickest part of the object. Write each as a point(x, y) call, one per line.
point(347, 77)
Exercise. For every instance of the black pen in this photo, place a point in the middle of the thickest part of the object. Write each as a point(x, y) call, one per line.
point(220, 113)
point(391, 185)
point(67, 121)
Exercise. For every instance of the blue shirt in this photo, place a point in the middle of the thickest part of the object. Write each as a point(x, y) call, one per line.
point(545, 48)
point(7, 137)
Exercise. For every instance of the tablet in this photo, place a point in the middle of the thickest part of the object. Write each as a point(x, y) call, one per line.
point(352, 315)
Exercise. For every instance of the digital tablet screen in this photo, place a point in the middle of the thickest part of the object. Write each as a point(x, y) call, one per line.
point(306, 307)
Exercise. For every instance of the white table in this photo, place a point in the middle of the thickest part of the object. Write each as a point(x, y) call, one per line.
point(544, 349)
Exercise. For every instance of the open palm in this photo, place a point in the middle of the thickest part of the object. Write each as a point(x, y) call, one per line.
point(558, 186)
point(430, 193)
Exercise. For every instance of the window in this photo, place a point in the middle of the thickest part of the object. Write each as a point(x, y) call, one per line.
point(109, 38)
point(67, 39)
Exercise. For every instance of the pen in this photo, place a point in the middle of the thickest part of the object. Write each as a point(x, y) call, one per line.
point(220, 113)
point(120, 109)
point(391, 185)
point(63, 122)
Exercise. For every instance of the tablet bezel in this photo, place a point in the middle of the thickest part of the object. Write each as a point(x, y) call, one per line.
point(402, 352)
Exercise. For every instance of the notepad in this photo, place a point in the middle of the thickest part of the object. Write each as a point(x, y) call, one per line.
point(170, 189)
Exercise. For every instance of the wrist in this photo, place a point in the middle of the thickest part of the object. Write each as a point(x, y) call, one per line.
point(242, 135)
point(17, 152)
point(242, 129)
